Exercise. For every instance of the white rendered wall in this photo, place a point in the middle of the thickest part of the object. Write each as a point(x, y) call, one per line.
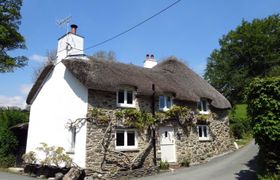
point(62, 98)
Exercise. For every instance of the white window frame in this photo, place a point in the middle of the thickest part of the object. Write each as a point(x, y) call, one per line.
point(203, 137)
point(125, 104)
point(165, 108)
point(203, 111)
point(126, 147)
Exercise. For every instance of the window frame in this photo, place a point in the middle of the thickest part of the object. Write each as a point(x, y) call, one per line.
point(125, 147)
point(203, 137)
point(200, 104)
point(125, 104)
point(165, 108)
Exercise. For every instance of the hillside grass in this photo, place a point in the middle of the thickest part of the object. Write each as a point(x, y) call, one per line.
point(240, 124)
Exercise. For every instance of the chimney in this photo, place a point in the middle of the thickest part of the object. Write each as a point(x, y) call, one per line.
point(70, 45)
point(74, 28)
point(150, 61)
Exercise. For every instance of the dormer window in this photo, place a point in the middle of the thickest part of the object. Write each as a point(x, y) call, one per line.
point(203, 106)
point(125, 98)
point(165, 103)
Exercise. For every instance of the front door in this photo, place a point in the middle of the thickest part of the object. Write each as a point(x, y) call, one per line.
point(167, 144)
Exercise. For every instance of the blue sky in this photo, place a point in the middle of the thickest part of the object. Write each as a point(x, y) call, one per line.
point(189, 30)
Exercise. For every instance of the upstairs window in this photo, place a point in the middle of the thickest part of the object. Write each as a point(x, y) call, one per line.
point(203, 132)
point(203, 106)
point(125, 98)
point(165, 103)
point(126, 140)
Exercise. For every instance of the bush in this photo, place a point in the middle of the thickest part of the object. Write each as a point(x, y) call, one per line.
point(185, 163)
point(7, 161)
point(263, 97)
point(163, 165)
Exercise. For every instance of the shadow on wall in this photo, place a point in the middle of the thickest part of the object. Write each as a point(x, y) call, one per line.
point(248, 173)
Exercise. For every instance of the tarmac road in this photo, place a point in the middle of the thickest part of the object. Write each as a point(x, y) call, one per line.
point(239, 165)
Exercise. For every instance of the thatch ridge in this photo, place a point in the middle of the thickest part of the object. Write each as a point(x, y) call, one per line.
point(169, 76)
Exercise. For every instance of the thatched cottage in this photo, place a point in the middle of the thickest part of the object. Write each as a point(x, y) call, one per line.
point(111, 116)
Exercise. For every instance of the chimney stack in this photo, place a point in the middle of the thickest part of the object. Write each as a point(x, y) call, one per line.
point(74, 28)
point(150, 61)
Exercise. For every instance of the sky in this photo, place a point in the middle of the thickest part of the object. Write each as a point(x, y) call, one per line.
point(190, 30)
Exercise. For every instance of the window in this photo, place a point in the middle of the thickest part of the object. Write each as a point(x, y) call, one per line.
point(203, 132)
point(165, 103)
point(125, 98)
point(202, 106)
point(73, 133)
point(126, 140)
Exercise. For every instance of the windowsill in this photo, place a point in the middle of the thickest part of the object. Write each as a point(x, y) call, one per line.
point(205, 140)
point(126, 105)
point(164, 109)
point(70, 152)
point(126, 149)
point(204, 112)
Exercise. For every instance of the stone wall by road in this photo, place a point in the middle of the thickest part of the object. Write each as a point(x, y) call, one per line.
point(188, 145)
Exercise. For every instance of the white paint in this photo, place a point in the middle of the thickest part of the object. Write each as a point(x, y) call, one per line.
point(70, 44)
point(61, 98)
point(150, 63)
point(167, 144)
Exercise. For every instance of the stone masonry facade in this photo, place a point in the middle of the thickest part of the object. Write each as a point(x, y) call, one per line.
point(188, 146)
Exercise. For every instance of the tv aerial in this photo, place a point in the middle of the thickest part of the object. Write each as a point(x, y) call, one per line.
point(64, 22)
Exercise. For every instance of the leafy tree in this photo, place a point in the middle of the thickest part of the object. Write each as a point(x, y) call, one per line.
point(264, 109)
point(249, 51)
point(10, 38)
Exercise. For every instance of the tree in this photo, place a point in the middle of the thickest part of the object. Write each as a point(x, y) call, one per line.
point(104, 55)
point(51, 59)
point(10, 38)
point(249, 51)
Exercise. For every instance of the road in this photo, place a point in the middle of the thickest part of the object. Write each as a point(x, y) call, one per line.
point(10, 176)
point(239, 165)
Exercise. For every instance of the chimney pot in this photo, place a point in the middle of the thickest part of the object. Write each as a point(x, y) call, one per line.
point(147, 56)
point(74, 28)
point(152, 56)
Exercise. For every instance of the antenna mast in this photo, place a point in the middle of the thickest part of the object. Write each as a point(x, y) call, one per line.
point(64, 22)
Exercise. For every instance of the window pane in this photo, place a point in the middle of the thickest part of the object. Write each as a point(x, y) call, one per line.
point(199, 106)
point(204, 105)
point(130, 138)
point(121, 96)
point(200, 131)
point(168, 102)
point(205, 131)
point(161, 102)
point(129, 97)
point(120, 138)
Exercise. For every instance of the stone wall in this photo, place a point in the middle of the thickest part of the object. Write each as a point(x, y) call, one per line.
point(115, 161)
point(188, 145)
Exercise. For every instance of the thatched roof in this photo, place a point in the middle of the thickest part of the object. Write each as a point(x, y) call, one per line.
point(169, 76)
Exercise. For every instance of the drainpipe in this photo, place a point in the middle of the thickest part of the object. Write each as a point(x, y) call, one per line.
point(154, 127)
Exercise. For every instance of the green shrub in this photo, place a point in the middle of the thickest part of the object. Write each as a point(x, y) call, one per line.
point(185, 163)
point(7, 161)
point(163, 165)
point(263, 97)
point(30, 157)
